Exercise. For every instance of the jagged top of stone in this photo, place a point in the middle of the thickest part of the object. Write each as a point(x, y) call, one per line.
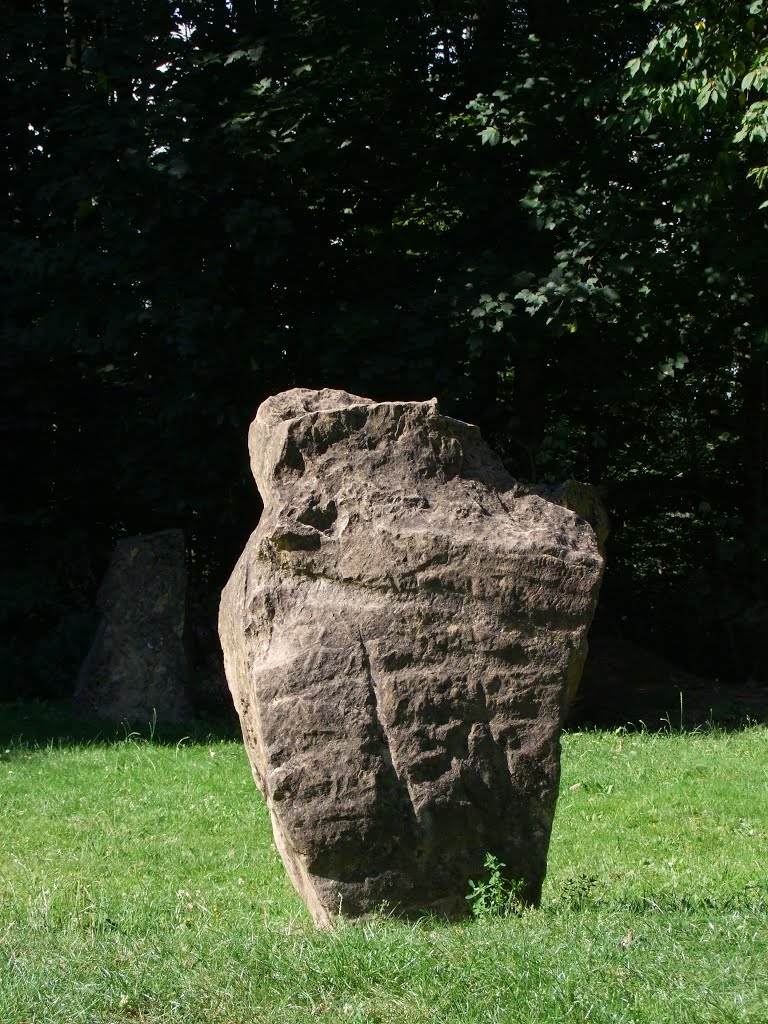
point(299, 427)
point(317, 455)
point(290, 405)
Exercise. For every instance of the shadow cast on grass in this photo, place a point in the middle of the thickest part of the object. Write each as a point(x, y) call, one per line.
point(43, 724)
point(628, 685)
point(670, 708)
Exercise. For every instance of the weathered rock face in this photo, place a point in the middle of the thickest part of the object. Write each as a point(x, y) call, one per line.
point(398, 637)
point(138, 664)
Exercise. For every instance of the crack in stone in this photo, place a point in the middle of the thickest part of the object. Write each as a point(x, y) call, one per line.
point(387, 754)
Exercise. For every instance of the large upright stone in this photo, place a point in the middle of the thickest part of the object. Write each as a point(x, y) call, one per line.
point(137, 664)
point(398, 636)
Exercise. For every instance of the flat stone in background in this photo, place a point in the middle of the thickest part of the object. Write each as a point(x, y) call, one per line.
point(137, 665)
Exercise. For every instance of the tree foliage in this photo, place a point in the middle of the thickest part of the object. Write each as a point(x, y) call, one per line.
point(551, 218)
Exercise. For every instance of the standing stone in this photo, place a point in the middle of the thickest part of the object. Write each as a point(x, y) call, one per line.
point(398, 637)
point(137, 665)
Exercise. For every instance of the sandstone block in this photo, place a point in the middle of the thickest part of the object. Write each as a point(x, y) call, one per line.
point(399, 636)
point(137, 664)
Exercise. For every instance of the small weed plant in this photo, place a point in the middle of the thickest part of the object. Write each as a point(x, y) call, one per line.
point(498, 896)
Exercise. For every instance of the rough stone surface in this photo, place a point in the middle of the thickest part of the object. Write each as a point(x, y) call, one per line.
point(584, 500)
point(399, 636)
point(137, 665)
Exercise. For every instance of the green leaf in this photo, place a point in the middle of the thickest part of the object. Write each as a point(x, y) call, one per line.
point(704, 97)
point(490, 136)
point(633, 66)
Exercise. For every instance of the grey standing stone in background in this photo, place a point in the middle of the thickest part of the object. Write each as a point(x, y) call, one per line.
point(399, 636)
point(137, 664)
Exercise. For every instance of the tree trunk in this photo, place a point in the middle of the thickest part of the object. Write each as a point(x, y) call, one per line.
point(486, 68)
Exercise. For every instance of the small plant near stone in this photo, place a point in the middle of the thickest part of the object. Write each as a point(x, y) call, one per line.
point(498, 896)
point(578, 891)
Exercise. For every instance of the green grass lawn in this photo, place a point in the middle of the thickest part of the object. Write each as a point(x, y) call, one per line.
point(138, 882)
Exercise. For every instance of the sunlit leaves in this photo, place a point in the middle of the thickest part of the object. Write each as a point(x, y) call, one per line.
point(668, 367)
point(708, 68)
point(497, 119)
point(754, 127)
point(490, 135)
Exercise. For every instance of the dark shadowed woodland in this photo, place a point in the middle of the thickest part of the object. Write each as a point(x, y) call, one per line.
point(550, 215)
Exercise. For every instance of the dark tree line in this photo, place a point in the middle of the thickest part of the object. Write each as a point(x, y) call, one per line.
point(547, 214)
